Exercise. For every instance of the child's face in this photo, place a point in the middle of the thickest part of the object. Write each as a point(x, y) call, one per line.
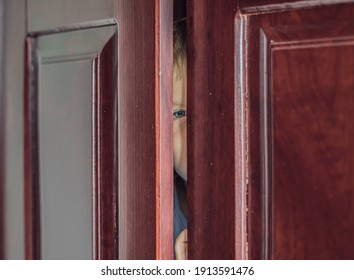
point(180, 118)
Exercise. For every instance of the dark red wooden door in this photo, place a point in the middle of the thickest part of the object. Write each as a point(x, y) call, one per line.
point(145, 129)
point(212, 166)
point(300, 130)
point(86, 138)
point(86, 129)
point(270, 95)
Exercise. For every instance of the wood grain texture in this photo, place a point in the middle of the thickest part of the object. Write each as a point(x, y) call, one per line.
point(211, 103)
point(299, 84)
point(145, 129)
point(31, 161)
point(313, 153)
point(164, 74)
point(266, 6)
point(106, 151)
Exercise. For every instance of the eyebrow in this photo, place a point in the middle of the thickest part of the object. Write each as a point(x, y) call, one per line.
point(179, 105)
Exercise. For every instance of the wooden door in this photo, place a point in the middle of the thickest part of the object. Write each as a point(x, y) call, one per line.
point(86, 129)
point(86, 143)
point(145, 129)
point(216, 220)
point(270, 95)
point(300, 130)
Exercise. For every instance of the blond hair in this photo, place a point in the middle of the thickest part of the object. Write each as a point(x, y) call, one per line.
point(179, 43)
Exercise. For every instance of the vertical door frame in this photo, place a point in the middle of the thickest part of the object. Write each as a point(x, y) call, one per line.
point(145, 129)
point(215, 205)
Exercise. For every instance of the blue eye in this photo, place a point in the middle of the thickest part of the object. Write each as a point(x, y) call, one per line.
point(179, 114)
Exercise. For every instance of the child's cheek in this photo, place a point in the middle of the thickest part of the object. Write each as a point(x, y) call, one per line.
point(180, 147)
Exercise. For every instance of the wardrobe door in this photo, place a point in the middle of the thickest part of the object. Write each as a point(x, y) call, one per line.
point(270, 127)
point(298, 63)
point(86, 129)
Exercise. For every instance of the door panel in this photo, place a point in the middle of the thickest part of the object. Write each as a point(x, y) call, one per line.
point(299, 132)
point(269, 129)
point(312, 161)
point(56, 153)
point(65, 116)
point(269, 100)
point(71, 142)
point(264, 6)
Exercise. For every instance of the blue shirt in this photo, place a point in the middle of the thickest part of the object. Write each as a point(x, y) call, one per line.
point(179, 219)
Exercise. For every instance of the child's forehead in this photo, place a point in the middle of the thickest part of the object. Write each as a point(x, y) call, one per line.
point(179, 68)
point(180, 86)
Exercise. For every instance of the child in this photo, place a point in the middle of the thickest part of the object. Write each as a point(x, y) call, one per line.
point(180, 138)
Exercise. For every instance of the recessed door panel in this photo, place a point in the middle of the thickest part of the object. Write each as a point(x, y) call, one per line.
point(313, 155)
point(69, 70)
point(71, 143)
point(299, 102)
point(65, 149)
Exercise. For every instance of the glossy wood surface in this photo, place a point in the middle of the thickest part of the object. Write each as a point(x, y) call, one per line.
point(269, 128)
point(298, 83)
point(31, 164)
point(270, 179)
point(106, 151)
point(264, 6)
point(145, 129)
point(145, 36)
point(163, 77)
point(212, 198)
